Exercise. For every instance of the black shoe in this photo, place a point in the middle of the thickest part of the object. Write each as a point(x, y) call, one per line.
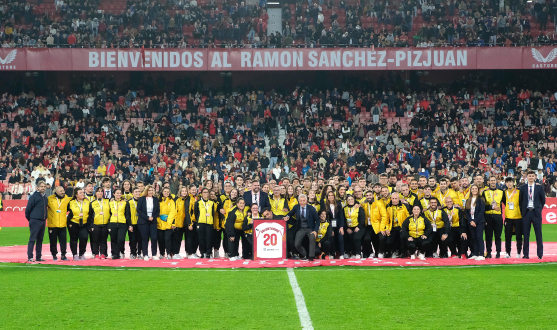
point(40, 259)
point(310, 259)
point(64, 258)
point(488, 256)
point(526, 257)
point(295, 257)
point(54, 258)
point(540, 258)
point(30, 260)
point(115, 257)
point(498, 255)
point(304, 258)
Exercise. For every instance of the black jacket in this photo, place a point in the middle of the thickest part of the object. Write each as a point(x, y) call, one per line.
point(142, 217)
point(36, 207)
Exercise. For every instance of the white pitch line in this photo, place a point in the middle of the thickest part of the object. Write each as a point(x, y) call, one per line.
point(300, 301)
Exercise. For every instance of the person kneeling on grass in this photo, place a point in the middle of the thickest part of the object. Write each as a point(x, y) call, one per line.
point(416, 231)
point(323, 238)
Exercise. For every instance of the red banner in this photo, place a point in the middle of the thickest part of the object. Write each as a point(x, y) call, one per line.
point(13, 219)
point(279, 59)
point(14, 205)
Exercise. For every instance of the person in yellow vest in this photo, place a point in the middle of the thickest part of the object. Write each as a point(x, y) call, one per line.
point(428, 197)
point(385, 195)
point(90, 191)
point(416, 231)
point(389, 240)
point(99, 211)
point(205, 212)
point(134, 234)
point(513, 218)
point(358, 195)
point(458, 238)
point(323, 239)
point(341, 195)
point(432, 182)
point(291, 231)
point(127, 190)
point(414, 188)
point(392, 183)
point(57, 222)
point(178, 233)
point(441, 229)
point(407, 197)
point(313, 201)
point(190, 224)
point(234, 223)
point(165, 222)
point(494, 200)
point(218, 224)
point(77, 218)
point(444, 192)
point(375, 214)
point(355, 219)
point(247, 227)
point(223, 198)
point(117, 227)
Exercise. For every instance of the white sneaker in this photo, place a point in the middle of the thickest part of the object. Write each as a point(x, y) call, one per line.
point(518, 256)
point(331, 257)
point(358, 257)
point(177, 257)
point(155, 258)
point(480, 258)
point(216, 254)
point(346, 256)
point(380, 256)
point(413, 257)
point(82, 258)
point(122, 256)
point(473, 257)
point(193, 256)
point(226, 255)
point(507, 256)
point(234, 258)
point(435, 255)
point(395, 255)
point(76, 258)
point(341, 257)
point(421, 256)
point(146, 258)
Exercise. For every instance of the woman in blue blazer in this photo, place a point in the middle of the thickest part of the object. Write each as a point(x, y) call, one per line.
point(475, 209)
point(148, 210)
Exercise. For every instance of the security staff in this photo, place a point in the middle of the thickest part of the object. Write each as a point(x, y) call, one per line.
point(57, 221)
point(131, 221)
point(416, 231)
point(178, 232)
point(513, 218)
point(354, 218)
point(77, 219)
point(440, 227)
point(494, 198)
point(190, 223)
point(375, 214)
point(205, 212)
point(233, 227)
point(117, 228)
point(165, 222)
point(99, 210)
point(458, 238)
point(323, 239)
point(389, 239)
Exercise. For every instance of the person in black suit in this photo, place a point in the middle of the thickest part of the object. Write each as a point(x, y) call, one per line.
point(307, 225)
point(107, 189)
point(532, 200)
point(475, 209)
point(333, 207)
point(256, 196)
point(36, 214)
point(148, 210)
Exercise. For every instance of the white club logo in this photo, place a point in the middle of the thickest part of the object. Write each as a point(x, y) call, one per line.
point(10, 58)
point(539, 57)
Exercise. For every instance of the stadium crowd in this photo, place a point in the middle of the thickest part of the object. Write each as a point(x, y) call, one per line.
point(184, 23)
point(180, 167)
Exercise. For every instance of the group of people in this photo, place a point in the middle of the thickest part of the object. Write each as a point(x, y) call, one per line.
point(417, 217)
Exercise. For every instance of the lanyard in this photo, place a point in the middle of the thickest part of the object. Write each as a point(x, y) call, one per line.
point(350, 211)
point(276, 202)
point(450, 215)
point(511, 196)
point(100, 203)
point(206, 210)
point(443, 196)
point(80, 205)
point(59, 201)
point(433, 216)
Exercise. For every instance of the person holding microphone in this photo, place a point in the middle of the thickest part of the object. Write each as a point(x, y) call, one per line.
point(148, 210)
point(36, 214)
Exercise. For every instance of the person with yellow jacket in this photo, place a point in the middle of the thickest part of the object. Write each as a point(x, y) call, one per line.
point(428, 197)
point(99, 211)
point(416, 232)
point(389, 240)
point(323, 239)
point(494, 200)
point(205, 211)
point(117, 227)
point(375, 214)
point(513, 218)
point(441, 229)
point(247, 227)
point(233, 227)
point(178, 233)
point(77, 218)
point(134, 234)
point(444, 192)
point(57, 221)
point(355, 219)
point(165, 223)
point(458, 238)
point(190, 226)
point(218, 224)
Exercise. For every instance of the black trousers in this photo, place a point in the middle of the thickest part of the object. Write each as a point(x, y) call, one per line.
point(371, 243)
point(148, 230)
point(290, 239)
point(164, 238)
point(510, 226)
point(438, 242)
point(324, 248)
point(80, 234)
point(528, 220)
point(247, 246)
point(477, 236)
point(117, 232)
point(337, 242)
point(36, 231)
point(176, 238)
point(418, 243)
point(99, 235)
point(493, 226)
point(392, 242)
point(235, 244)
point(192, 241)
point(300, 235)
point(355, 240)
point(57, 235)
point(134, 240)
point(205, 235)
point(457, 244)
point(218, 236)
